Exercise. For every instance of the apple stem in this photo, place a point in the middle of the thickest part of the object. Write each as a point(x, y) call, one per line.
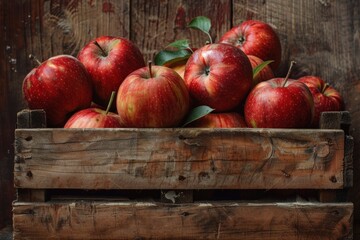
point(325, 87)
point(32, 57)
point(150, 63)
point(110, 102)
point(98, 45)
point(292, 63)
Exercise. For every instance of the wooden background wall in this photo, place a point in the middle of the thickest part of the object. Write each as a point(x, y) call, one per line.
point(323, 36)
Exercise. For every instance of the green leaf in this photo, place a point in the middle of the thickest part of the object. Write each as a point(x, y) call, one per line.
point(180, 44)
point(196, 113)
point(168, 57)
point(260, 67)
point(203, 24)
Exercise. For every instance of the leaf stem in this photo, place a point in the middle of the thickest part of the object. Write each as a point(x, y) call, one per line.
point(292, 63)
point(211, 41)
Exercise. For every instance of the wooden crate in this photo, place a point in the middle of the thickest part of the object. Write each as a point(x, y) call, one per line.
point(182, 183)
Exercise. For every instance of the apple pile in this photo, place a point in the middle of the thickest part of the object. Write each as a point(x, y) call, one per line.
point(228, 83)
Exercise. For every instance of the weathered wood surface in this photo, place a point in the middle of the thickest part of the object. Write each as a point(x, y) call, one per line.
point(179, 158)
point(155, 24)
point(321, 35)
point(221, 220)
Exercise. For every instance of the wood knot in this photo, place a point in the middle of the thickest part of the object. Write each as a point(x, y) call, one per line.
point(203, 175)
point(323, 150)
point(29, 174)
point(287, 175)
point(181, 178)
point(333, 179)
point(185, 214)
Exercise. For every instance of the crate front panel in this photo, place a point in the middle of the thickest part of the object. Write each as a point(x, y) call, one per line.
point(211, 220)
point(179, 158)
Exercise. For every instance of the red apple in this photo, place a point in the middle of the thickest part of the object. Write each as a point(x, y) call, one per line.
point(279, 103)
point(109, 60)
point(153, 96)
point(255, 38)
point(219, 76)
point(265, 74)
point(95, 117)
point(60, 86)
point(326, 98)
point(220, 120)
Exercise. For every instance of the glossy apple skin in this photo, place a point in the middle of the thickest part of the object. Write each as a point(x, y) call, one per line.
point(219, 76)
point(108, 71)
point(270, 105)
point(326, 98)
point(158, 101)
point(265, 74)
point(256, 38)
point(60, 86)
point(220, 120)
point(93, 118)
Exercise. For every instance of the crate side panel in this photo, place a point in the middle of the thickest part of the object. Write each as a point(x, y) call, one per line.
point(221, 220)
point(179, 159)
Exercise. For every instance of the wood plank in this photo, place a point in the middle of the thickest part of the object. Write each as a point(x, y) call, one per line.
point(66, 26)
point(31, 119)
point(348, 162)
point(338, 120)
point(155, 24)
point(179, 158)
point(341, 120)
point(145, 220)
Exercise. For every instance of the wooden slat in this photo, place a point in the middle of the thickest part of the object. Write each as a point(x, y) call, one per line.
point(338, 120)
point(348, 162)
point(144, 220)
point(179, 158)
point(341, 120)
point(31, 118)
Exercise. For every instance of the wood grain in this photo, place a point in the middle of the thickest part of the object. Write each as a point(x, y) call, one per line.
point(155, 24)
point(179, 158)
point(318, 35)
point(145, 220)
